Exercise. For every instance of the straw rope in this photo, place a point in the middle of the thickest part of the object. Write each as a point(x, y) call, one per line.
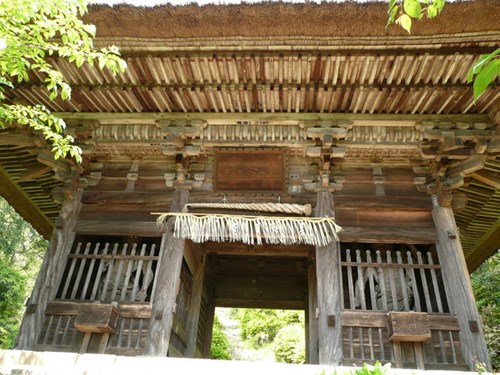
point(252, 229)
point(286, 208)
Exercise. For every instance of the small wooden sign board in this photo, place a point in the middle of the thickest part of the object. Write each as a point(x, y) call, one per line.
point(97, 318)
point(249, 170)
point(409, 326)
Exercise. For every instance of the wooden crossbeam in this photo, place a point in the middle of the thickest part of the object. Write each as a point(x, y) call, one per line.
point(361, 119)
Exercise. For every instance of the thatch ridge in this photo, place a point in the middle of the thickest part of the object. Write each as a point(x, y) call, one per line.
point(283, 19)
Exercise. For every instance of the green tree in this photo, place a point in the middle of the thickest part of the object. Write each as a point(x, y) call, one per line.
point(30, 31)
point(486, 285)
point(220, 343)
point(289, 344)
point(260, 326)
point(21, 250)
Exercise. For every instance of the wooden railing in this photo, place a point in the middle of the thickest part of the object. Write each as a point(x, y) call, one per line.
point(109, 272)
point(366, 339)
point(392, 281)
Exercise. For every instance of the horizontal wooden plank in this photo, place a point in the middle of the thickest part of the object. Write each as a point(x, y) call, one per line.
point(379, 319)
point(260, 303)
point(360, 118)
point(124, 228)
point(391, 265)
point(125, 310)
point(388, 235)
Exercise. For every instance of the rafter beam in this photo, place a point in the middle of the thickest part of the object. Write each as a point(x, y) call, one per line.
point(24, 205)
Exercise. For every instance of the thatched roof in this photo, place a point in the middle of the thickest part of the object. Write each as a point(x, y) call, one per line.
point(283, 19)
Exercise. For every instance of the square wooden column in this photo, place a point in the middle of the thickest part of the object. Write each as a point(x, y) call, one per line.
point(50, 273)
point(168, 280)
point(329, 290)
point(312, 320)
point(458, 286)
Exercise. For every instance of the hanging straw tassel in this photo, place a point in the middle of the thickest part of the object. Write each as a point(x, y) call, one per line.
point(252, 229)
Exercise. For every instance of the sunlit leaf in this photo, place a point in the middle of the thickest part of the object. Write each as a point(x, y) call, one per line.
point(405, 22)
point(412, 8)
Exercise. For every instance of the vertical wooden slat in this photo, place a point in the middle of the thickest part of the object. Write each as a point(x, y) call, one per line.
point(437, 292)
point(128, 273)
point(425, 287)
point(70, 272)
point(402, 281)
point(138, 273)
point(351, 346)
point(350, 282)
point(416, 294)
point(370, 342)
point(109, 272)
point(80, 271)
point(381, 343)
point(361, 343)
point(452, 347)
point(381, 281)
point(392, 282)
point(89, 272)
point(371, 283)
point(116, 281)
point(360, 282)
point(97, 280)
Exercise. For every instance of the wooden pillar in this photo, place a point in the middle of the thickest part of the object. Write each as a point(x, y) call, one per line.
point(50, 273)
point(312, 320)
point(458, 286)
point(194, 310)
point(329, 290)
point(168, 280)
point(209, 328)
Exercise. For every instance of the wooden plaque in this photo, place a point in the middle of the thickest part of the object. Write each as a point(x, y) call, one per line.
point(409, 326)
point(97, 318)
point(249, 170)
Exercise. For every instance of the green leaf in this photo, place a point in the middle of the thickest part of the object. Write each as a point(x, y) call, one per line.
point(439, 5)
point(478, 65)
point(487, 75)
point(392, 3)
point(432, 11)
point(392, 16)
point(405, 22)
point(412, 8)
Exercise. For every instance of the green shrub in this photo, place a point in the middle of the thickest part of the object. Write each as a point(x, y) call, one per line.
point(289, 346)
point(220, 343)
point(486, 285)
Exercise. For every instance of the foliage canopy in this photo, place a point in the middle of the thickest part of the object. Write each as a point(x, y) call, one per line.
point(31, 31)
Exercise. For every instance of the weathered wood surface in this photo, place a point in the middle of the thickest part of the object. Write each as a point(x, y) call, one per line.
point(168, 280)
point(50, 273)
point(458, 286)
point(312, 321)
point(125, 309)
point(329, 290)
point(209, 327)
point(194, 310)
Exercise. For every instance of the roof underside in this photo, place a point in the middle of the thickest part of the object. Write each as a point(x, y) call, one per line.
point(304, 61)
